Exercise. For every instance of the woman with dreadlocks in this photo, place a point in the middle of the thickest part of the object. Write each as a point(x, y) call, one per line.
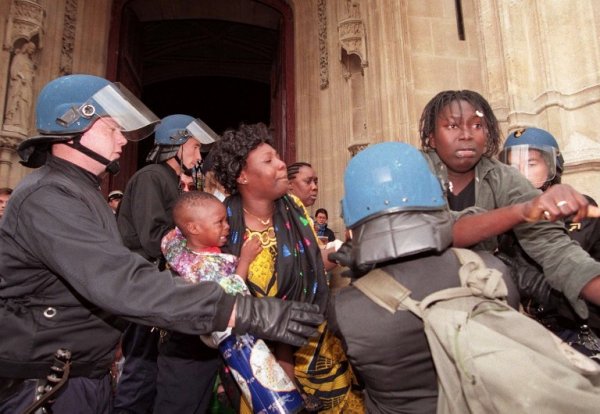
point(290, 265)
point(460, 134)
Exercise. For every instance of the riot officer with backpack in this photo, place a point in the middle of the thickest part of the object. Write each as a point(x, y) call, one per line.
point(397, 213)
point(429, 328)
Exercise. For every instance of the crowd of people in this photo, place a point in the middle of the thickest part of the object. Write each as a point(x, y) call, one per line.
point(149, 285)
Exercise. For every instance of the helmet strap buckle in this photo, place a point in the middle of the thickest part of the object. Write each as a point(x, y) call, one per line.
point(180, 134)
point(68, 117)
point(73, 114)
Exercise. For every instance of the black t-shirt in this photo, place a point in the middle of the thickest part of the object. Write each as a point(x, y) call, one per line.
point(464, 199)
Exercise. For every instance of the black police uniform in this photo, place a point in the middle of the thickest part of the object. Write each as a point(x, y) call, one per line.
point(390, 351)
point(586, 233)
point(65, 274)
point(182, 370)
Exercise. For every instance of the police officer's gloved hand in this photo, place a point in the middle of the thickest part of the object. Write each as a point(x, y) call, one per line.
point(275, 319)
point(343, 257)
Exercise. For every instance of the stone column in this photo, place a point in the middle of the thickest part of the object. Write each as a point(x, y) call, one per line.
point(8, 147)
point(24, 35)
point(541, 60)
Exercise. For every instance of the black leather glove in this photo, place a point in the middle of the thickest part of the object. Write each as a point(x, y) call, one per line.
point(343, 257)
point(275, 319)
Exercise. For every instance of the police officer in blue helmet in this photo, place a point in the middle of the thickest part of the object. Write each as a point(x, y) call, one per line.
point(67, 279)
point(399, 220)
point(180, 137)
point(64, 113)
point(145, 216)
point(535, 153)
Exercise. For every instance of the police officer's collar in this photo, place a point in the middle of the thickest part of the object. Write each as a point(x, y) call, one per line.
point(73, 169)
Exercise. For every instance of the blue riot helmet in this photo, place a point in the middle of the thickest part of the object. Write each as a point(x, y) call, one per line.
point(174, 131)
point(68, 106)
point(535, 153)
point(393, 204)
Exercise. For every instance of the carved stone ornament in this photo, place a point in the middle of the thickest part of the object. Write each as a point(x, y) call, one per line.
point(351, 32)
point(323, 53)
point(19, 97)
point(68, 40)
point(25, 21)
point(10, 140)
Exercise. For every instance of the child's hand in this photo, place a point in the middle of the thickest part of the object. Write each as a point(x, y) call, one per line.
point(250, 249)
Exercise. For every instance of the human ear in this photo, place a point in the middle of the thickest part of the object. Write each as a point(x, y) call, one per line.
point(242, 178)
point(192, 227)
point(431, 141)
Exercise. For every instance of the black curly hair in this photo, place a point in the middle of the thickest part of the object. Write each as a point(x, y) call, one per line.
point(190, 200)
point(437, 104)
point(231, 152)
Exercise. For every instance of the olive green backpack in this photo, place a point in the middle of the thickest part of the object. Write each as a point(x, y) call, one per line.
point(489, 357)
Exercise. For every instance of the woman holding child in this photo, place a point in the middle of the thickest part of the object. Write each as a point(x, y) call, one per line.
point(289, 265)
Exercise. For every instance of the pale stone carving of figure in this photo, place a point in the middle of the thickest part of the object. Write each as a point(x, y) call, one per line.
point(20, 92)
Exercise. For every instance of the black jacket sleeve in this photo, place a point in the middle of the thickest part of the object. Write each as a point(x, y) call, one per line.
point(82, 252)
point(146, 210)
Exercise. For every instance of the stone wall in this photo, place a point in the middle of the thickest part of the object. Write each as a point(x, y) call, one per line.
point(542, 68)
point(69, 36)
point(365, 69)
point(536, 61)
point(372, 86)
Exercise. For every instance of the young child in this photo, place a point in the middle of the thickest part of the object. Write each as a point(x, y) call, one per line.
point(193, 248)
point(193, 251)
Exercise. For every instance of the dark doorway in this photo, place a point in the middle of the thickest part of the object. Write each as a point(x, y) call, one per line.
point(225, 65)
point(220, 102)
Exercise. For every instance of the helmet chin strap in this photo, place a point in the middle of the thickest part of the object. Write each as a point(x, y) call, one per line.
point(190, 172)
point(112, 167)
point(184, 169)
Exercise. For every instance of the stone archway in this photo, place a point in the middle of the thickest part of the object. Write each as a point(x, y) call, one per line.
point(222, 63)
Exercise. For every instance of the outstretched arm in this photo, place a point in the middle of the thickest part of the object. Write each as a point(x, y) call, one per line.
point(558, 202)
point(272, 318)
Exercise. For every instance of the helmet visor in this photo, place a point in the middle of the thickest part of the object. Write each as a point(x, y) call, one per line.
point(536, 163)
point(202, 132)
point(115, 101)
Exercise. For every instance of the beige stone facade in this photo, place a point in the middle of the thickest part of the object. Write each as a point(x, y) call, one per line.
point(537, 62)
point(364, 69)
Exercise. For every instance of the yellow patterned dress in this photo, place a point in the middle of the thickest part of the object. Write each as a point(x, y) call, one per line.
point(321, 366)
